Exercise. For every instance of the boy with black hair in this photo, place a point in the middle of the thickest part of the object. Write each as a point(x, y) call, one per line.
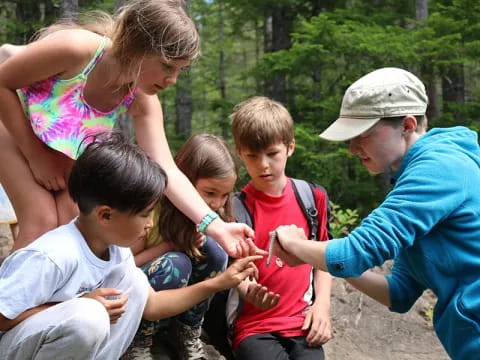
point(75, 292)
point(281, 323)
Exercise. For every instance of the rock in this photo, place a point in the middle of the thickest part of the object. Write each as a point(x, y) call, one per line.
point(367, 330)
point(6, 241)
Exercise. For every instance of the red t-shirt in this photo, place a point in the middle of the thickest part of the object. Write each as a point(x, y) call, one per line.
point(294, 284)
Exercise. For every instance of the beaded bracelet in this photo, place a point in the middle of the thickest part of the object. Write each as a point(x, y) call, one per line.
point(206, 220)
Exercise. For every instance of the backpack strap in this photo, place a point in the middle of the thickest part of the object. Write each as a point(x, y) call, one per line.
point(240, 210)
point(306, 199)
point(234, 303)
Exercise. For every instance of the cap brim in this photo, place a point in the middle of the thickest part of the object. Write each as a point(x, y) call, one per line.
point(344, 129)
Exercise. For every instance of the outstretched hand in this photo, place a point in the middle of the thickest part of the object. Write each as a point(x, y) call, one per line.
point(238, 271)
point(259, 296)
point(116, 307)
point(234, 238)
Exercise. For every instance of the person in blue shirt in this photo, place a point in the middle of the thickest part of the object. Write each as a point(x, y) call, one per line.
point(429, 223)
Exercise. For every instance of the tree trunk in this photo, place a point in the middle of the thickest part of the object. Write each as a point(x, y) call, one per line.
point(68, 9)
point(453, 90)
point(267, 32)
point(184, 103)
point(184, 106)
point(221, 58)
point(317, 93)
point(29, 14)
point(224, 124)
point(258, 36)
point(281, 25)
point(421, 10)
point(427, 71)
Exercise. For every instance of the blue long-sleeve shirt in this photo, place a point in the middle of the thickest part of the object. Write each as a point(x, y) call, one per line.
point(430, 224)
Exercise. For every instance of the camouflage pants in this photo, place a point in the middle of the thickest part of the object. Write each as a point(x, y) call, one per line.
point(174, 270)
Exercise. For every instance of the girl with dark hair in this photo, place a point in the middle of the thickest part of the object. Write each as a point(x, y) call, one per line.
point(176, 254)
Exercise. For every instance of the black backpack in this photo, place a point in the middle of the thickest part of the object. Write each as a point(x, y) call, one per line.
point(305, 197)
point(216, 323)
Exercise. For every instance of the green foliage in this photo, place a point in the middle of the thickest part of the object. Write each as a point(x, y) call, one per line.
point(330, 51)
point(333, 43)
point(342, 221)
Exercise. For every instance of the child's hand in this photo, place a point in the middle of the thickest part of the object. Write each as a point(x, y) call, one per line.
point(116, 307)
point(50, 168)
point(260, 297)
point(237, 272)
point(318, 325)
point(234, 238)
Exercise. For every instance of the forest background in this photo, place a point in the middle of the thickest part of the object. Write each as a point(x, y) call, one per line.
point(304, 53)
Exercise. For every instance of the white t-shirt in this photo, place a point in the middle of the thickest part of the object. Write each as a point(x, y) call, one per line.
point(56, 267)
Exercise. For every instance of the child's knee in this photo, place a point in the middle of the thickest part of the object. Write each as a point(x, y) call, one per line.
point(182, 263)
point(171, 271)
point(130, 281)
point(216, 257)
point(89, 324)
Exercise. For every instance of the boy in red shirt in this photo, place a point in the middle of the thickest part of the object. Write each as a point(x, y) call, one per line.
point(282, 323)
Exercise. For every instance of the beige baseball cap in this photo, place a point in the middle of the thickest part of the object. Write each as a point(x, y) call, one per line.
point(386, 92)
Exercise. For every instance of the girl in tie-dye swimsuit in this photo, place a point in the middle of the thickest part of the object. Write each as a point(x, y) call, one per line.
point(74, 81)
point(59, 114)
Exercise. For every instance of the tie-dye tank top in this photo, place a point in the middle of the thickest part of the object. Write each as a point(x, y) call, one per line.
point(61, 117)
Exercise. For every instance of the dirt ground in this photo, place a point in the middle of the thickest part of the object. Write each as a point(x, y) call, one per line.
point(364, 329)
point(5, 240)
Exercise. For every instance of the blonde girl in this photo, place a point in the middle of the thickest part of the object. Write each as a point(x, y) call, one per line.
point(176, 254)
point(74, 81)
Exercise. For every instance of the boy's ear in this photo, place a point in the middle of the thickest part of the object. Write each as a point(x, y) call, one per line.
point(238, 151)
point(291, 148)
point(103, 214)
point(409, 124)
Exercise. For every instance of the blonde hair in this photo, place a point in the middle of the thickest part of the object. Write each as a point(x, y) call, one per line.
point(260, 122)
point(202, 156)
point(142, 27)
point(160, 27)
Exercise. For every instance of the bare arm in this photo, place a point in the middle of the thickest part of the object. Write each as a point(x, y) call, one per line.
point(166, 303)
point(6, 324)
point(313, 253)
point(295, 248)
point(146, 255)
point(374, 285)
point(150, 133)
